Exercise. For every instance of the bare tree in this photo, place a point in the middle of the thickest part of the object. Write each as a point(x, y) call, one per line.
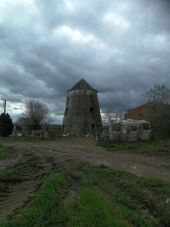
point(35, 114)
point(159, 94)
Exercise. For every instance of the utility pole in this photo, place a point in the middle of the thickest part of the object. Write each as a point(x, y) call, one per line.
point(4, 105)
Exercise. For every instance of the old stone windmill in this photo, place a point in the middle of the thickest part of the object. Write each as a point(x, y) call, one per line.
point(82, 112)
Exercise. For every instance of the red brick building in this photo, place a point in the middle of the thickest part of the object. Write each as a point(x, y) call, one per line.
point(138, 112)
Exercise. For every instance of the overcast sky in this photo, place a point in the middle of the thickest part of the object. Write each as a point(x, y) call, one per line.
point(122, 48)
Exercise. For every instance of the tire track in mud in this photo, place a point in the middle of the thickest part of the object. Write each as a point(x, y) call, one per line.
point(86, 151)
point(21, 180)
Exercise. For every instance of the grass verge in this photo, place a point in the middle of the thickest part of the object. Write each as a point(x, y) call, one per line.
point(138, 147)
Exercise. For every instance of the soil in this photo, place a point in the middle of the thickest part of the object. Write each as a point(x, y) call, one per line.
point(33, 161)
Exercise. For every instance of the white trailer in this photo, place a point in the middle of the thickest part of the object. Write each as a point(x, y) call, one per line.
point(129, 131)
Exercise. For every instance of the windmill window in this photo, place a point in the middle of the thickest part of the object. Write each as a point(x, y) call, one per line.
point(67, 101)
point(93, 127)
point(91, 109)
point(66, 111)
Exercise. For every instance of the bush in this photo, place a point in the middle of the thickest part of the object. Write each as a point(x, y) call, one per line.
point(5, 125)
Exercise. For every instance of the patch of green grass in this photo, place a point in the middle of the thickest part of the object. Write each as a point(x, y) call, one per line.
point(93, 208)
point(133, 196)
point(139, 146)
point(46, 208)
point(3, 151)
point(104, 198)
point(6, 172)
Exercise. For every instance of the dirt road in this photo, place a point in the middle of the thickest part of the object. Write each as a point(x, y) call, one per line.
point(85, 150)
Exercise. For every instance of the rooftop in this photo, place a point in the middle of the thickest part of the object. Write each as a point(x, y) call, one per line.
point(82, 85)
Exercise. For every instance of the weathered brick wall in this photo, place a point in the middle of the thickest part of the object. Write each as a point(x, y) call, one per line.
point(82, 112)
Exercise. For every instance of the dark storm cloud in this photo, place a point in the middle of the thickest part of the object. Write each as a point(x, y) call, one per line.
point(121, 47)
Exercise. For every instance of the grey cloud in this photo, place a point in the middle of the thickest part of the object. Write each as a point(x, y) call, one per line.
point(121, 48)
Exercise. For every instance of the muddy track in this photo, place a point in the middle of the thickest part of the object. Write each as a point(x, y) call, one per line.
point(85, 150)
point(21, 181)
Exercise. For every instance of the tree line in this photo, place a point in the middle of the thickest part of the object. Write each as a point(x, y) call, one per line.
point(35, 114)
point(158, 113)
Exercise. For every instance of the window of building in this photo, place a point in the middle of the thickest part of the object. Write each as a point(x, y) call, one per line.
point(66, 111)
point(133, 128)
point(116, 127)
point(146, 126)
point(67, 101)
point(93, 127)
point(91, 109)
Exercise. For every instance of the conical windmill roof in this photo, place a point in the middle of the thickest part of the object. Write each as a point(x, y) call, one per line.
point(82, 85)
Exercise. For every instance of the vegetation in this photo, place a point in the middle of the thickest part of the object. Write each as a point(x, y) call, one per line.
point(159, 94)
point(138, 147)
point(5, 125)
point(3, 151)
point(35, 114)
point(159, 111)
point(43, 210)
point(101, 198)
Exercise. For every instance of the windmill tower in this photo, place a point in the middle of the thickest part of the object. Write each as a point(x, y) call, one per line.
point(82, 112)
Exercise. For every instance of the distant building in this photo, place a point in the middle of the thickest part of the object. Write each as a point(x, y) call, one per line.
point(52, 130)
point(82, 112)
point(139, 112)
point(46, 130)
